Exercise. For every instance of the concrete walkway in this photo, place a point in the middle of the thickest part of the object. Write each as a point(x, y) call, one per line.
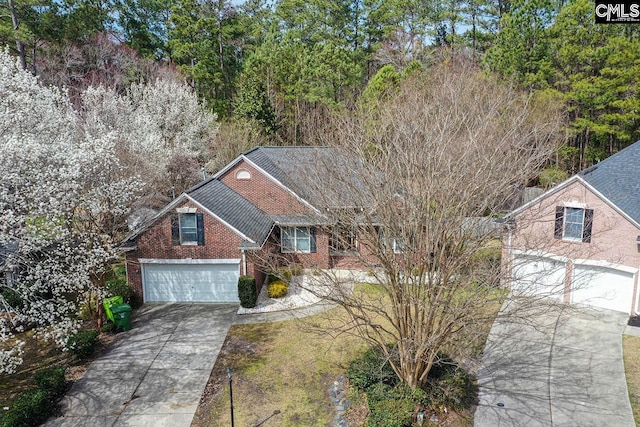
point(154, 374)
point(563, 367)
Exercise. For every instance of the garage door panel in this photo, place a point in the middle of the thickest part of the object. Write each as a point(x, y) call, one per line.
point(538, 276)
point(191, 282)
point(602, 287)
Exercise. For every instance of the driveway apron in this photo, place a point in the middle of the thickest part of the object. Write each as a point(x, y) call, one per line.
point(154, 374)
point(555, 366)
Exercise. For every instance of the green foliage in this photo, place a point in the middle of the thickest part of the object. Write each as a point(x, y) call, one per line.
point(119, 287)
point(12, 298)
point(83, 343)
point(285, 273)
point(277, 289)
point(390, 412)
point(371, 369)
point(449, 385)
point(108, 327)
point(552, 175)
point(392, 403)
point(393, 406)
point(30, 408)
point(247, 291)
point(52, 381)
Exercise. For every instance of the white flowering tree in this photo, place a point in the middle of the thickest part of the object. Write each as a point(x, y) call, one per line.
point(161, 131)
point(63, 197)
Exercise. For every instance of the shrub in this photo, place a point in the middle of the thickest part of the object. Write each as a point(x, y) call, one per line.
point(52, 381)
point(371, 369)
point(119, 287)
point(390, 412)
point(279, 274)
point(277, 289)
point(83, 343)
point(108, 327)
point(247, 291)
point(450, 385)
point(30, 408)
point(12, 298)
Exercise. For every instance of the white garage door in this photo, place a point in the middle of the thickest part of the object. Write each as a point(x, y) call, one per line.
point(602, 287)
point(538, 276)
point(202, 282)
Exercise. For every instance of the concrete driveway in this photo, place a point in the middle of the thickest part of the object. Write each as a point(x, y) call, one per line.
point(561, 367)
point(155, 373)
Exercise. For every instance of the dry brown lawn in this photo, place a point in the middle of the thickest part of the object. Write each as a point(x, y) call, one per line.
point(631, 348)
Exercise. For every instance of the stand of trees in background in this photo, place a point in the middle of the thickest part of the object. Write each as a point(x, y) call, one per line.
point(279, 69)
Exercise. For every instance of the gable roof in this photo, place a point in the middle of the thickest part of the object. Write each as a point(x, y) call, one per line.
point(229, 207)
point(233, 209)
point(323, 177)
point(617, 178)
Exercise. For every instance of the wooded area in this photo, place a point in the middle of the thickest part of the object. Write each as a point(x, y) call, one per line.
point(274, 72)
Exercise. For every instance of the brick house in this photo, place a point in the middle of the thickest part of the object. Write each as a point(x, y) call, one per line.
point(580, 241)
point(265, 201)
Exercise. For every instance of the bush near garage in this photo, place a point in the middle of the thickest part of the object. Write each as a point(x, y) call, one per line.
point(52, 381)
point(247, 291)
point(83, 343)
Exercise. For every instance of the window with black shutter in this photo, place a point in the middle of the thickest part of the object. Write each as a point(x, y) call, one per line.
point(573, 224)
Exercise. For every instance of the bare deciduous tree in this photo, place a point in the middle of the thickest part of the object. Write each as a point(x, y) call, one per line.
point(436, 162)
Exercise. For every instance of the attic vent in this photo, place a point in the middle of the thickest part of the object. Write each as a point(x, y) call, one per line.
point(243, 174)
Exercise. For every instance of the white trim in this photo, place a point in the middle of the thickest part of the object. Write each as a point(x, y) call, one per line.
point(575, 204)
point(604, 264)
point(540, 254)
point(609, 202)
point(148, 224)
point(270, 177)
point(189, 261)
point(243, 175)
point(541, 197)
point(585, 262)
point(565, 184)
point(220, 219)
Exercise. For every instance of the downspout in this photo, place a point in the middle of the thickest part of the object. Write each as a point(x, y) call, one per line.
point(244, 262)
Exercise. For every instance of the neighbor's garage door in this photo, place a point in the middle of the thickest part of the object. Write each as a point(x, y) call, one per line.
point(217, 282)
point(602, 287)
point(538, 276)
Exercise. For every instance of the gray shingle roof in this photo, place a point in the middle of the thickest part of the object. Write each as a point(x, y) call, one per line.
point(325, 177)
point(234, 209)
point(618, 179)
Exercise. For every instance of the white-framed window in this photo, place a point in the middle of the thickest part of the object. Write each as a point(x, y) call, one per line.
point(243, 174)
point(188, 229)
point(296, 239)
point(573, 223)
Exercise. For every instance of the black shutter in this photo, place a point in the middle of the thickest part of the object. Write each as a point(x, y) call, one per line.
point(559, 222)
point(175, 229)
point(313, 245)
point(588, 223)
point(200, 228)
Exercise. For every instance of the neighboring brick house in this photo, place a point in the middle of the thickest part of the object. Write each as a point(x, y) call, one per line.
point(265, 201)
point(580, 241)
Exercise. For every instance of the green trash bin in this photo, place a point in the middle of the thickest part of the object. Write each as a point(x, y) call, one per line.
point(108, 303)
point(122, 316)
